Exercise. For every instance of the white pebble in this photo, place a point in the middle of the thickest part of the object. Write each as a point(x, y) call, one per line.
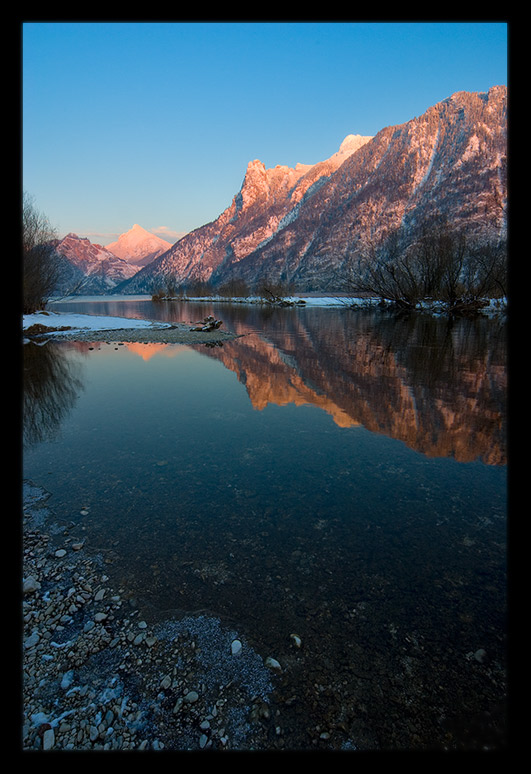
point(236, 647)
point(272, 663)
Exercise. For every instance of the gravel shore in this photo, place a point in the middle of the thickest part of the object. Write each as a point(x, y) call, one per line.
point(97, 677)
point(179, 333)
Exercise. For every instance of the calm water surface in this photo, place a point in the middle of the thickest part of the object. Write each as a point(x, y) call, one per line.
point(335, 473)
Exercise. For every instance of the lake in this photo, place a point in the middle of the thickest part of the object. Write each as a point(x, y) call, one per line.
point(336, 473)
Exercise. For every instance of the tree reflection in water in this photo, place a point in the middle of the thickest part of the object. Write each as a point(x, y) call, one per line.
point(51, 383)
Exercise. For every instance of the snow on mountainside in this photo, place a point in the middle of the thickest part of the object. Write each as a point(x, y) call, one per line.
point(138, 246)
point(451, 162)
point(89, 268)
point(304, 225)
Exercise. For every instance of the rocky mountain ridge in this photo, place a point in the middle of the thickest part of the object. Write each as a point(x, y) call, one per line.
point(305, 225)
point(93, 269)
point(89, 268)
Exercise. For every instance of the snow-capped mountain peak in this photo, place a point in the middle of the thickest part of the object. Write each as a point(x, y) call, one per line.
point(138, 246)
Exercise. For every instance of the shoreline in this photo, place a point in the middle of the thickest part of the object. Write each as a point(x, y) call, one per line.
point(174, 334)
point(98, 677)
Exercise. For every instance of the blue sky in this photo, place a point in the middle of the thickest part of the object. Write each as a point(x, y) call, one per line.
point(155, 123)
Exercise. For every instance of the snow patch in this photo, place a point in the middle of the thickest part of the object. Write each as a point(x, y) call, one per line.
point(79, 322)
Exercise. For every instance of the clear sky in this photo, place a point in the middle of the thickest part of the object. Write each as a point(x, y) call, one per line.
point(155, 123)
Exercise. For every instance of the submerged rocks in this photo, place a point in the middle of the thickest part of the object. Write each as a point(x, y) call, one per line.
point(272, 663)
point(95, 677)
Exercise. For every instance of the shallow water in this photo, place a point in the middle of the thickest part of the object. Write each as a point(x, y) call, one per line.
point(335, 473)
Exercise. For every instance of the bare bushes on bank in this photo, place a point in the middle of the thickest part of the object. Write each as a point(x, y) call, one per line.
point(443, 269)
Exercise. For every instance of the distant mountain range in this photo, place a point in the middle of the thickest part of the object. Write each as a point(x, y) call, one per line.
point(92, 269)
point(305, 225)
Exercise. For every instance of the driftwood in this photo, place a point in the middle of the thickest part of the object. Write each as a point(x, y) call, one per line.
point(208, 324)
point(271, 298)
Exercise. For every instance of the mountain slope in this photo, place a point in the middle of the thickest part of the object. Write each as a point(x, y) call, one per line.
point(452, 161)
point(305, 225)
point(262, 206)
point(89, 268)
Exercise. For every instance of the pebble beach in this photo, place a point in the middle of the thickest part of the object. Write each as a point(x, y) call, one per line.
point(98, 677)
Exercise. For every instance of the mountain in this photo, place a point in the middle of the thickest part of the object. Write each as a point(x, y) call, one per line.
point(89, 268)
point(305, 225)
point(138, 246)
point(264, 204)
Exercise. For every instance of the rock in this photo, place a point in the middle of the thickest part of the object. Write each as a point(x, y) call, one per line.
point(191, 697)
point(272, 663)
point(296, 640)
point(235, 647)
point(60, 553)
point(30, 585)
point(48, 739)
point(67, 679)
point(32, 640)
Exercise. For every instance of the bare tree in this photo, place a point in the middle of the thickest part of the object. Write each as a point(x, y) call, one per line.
point(442, 266)
point(39, 260)
point(387, 272)
point(274, 291)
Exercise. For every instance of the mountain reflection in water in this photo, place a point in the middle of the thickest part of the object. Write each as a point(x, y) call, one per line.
point(379, 537)
point(438, 385)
